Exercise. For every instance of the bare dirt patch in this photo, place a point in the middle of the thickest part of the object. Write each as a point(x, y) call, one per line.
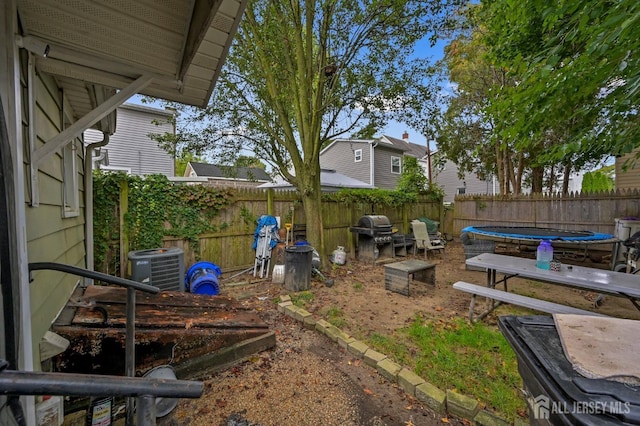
point(309, 380)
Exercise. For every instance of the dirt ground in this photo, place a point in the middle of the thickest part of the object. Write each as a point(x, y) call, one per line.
point(309, 380)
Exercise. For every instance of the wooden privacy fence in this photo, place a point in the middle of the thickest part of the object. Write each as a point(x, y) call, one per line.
point(231, 247)
point(591, 212)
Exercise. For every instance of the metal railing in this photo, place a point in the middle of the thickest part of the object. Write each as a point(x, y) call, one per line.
point(144, 389)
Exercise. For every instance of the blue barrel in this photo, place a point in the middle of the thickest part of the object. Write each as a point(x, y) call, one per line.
point(202, 278)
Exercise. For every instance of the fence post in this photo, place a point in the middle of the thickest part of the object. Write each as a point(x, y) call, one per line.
point(270, 203)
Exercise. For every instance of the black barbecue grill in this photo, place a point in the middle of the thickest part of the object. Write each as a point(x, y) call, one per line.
point(375, 237)
point(377, 227)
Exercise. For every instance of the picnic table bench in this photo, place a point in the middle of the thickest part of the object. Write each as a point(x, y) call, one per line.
point(597, 280)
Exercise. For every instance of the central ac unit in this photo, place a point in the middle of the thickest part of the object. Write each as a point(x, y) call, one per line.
point(161, 267)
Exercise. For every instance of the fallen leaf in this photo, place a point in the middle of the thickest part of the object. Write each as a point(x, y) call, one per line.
point(368, 391)
point(444, 420)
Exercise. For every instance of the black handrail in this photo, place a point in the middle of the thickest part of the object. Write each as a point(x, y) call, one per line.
point(14, 383)
point(72, 384)
point(131, 286)
point(81, 272)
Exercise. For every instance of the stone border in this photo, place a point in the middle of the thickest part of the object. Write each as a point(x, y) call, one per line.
point(442, 402)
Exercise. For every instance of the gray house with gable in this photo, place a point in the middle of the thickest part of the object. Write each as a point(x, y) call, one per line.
point(379, 162)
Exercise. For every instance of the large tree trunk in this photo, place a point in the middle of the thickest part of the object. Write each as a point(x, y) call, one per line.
point(313, 212)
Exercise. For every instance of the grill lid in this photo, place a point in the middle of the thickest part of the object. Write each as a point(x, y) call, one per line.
point(376, 222)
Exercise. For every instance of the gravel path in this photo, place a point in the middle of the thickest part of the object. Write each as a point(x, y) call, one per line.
point(306, 380)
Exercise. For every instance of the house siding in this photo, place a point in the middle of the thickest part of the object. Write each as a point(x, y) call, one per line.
point(130, 146)
point(50, 237)
point(384, 179)
point(630, 178)
point(450, 182)
point(340, 157)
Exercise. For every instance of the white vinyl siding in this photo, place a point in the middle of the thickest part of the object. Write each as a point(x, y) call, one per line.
point(131, 148)
point(447, 178)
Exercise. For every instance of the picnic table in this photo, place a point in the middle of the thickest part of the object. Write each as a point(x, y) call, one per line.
point(597, 280)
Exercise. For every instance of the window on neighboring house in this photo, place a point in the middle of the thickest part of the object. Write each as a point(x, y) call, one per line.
point(357, 155)
point(70, 197)
point(461, 190)
point(396, 165)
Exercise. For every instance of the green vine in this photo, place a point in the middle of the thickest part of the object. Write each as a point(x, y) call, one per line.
point(247, 217)
point(371, 196)
point(157, 208)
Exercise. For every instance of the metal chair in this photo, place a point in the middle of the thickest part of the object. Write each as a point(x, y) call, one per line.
point(422, 240)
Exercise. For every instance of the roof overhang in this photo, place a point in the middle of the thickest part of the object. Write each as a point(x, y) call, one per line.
point(103, 47)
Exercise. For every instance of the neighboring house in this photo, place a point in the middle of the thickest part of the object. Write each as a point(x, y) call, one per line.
point(629, 178)
point(330, 181)
point(227, 177)
point(379, 163)
point(66, 68)
point(446, 176)
point(130, 149)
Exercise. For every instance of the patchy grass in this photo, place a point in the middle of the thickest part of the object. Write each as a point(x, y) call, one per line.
point(302, 298)
point(335, 316)
point(473, 359)
point(358, 286)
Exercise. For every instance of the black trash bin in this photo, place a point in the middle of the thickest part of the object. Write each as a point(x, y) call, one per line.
point(297, 267)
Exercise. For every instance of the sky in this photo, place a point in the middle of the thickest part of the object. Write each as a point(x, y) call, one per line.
point(394, 128)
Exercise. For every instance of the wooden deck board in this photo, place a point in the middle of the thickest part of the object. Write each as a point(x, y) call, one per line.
point(171, 328)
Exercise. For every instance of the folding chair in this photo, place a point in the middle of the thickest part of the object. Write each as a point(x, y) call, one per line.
point(423, 242)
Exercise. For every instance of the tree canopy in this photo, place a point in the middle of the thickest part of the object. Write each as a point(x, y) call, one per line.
point(300, 73)
point(541, 89)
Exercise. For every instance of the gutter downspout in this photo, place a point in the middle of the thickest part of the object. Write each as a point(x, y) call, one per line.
point(88, 202)
point(372, 163)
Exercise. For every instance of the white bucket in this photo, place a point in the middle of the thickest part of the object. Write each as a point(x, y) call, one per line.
point(278, 274)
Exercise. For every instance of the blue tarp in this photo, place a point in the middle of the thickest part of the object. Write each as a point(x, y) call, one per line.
point(272, 224)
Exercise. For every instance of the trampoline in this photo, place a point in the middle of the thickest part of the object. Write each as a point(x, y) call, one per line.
point(537, 234)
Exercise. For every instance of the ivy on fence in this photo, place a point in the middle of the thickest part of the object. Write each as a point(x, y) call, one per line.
point(156, 208)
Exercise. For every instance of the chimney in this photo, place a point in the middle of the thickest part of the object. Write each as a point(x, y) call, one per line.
point(405, 136)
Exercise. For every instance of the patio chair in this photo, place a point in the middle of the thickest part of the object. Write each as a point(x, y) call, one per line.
point(422, 240)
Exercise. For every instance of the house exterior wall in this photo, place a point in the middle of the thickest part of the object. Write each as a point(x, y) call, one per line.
point(50, 236)
point(130, 147)
point(340, 157)
point(383, 178)
point(629, 179)
point(448, 179)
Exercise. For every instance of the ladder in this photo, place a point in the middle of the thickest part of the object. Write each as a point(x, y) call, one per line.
point(263, 252)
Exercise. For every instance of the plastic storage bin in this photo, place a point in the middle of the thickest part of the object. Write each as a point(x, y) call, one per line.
point(556, 393)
